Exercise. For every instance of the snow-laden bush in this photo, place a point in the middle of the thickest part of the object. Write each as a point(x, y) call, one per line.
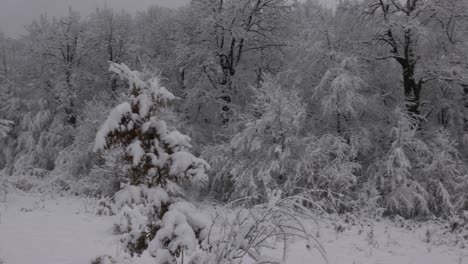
point(156, 161)
point(87, 173)
point(8, 108)
point(77, 159)
point(332, 172)
point(421, 174)
point(334, 157)
point(340, 93)
point(447, 176)
point(37, 137)
point(401, 193)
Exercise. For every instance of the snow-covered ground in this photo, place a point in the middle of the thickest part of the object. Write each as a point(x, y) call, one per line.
point(52, 229)
point(41, 229)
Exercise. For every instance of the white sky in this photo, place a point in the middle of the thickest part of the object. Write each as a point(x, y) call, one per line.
point(16, 14)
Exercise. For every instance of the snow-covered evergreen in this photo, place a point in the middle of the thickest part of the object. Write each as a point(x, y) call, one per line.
point(157, 162)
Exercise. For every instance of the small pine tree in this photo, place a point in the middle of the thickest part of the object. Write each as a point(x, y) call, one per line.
point(156, 161)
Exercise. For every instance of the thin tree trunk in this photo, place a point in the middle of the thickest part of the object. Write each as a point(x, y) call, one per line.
point(465, 118)
point(4, 60)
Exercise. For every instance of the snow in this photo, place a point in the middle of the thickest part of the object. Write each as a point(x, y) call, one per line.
point(52, 230)
point(198, 220)
point(175, 138)
point(156, 196)
point(131, 220)
point(174, 228)
point(136, 151)
point(184, 163)
point(160, 93)
point(125, 73)
point(379, 242)
point(145, 104)
point(48, 229)
point(112, 123)
point(4, 127)
point(152, 86)
point(128, 196)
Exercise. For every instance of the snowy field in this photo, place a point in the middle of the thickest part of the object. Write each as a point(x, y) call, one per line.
point(51, 230)
point(48, 229)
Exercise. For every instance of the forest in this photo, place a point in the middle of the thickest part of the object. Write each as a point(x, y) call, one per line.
point(211, 133)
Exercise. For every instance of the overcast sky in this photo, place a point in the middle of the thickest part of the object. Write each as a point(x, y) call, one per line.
point(15, 14)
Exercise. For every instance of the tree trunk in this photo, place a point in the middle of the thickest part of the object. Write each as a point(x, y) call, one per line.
point(4, 60)
point(465, 118)
point(69, 109)
point(412, 88)
point(412, 91)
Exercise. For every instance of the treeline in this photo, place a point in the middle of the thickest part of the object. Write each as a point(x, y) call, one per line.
point(363, 108)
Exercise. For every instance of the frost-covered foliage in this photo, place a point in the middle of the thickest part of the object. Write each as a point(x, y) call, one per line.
point(273, 150)
point(419, 178)
point(5, 124)
point(267, 152)
point(148, 219)
point(344, 101)
point(340, 93)
point(155, 154)
point(241, 234)
point(445, 176)
point(40, 136)
point(333, 163)
point(448, 176)
point(86, 172)
point(332, 172)
point(402, 194)
point(4, 127)
point(156, 162)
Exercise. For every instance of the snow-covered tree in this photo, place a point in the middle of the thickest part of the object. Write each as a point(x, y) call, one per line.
point(226, 46)
point(109, 36)
point(156, 154)
point(340, 93)
point(404, 29)
point(403, 194)
point(60, 44)
point(445, 176)
point(156, 162)
point(266, 154)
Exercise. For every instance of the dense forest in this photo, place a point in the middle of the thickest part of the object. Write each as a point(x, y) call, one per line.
point(361, 110)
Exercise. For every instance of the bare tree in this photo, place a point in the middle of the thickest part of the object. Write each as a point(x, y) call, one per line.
point(229, 31)
point(403, 27)
point(59, 46)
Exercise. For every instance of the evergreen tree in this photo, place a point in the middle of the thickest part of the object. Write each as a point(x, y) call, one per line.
point(156, 162)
